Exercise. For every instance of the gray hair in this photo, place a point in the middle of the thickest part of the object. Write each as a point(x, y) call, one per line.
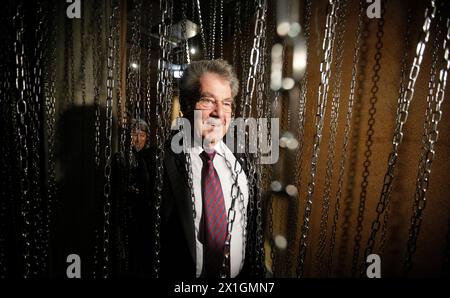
point(140, 125)
point(190, 82)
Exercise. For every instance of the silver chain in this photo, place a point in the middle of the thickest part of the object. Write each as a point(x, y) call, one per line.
point(333, 126)
point(96, 22)
point(221, 29)
point(50, 99)
point(325, 66)
point(369, 141)
point(348, 120)
point(254, 56)
point(202, 30)
point(301, 116)
point(401, 91)
point(431, 133)
point(402, 116)
point(162, 98)
point(212, 25)
point(83, 60)
point(22, 132)
point(108, 133)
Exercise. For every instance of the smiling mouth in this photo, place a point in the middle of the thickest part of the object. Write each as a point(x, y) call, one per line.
point(213, 122)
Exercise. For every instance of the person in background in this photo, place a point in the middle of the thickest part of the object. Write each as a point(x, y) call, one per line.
point(133, 208)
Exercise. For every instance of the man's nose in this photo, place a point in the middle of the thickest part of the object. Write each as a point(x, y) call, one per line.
point(218, 110)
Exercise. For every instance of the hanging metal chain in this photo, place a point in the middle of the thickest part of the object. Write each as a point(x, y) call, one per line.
point(301, 113)
point(212, 26)
point(254, 56)
point(50, 114)
point(149, 67)
point(237, 33)
point(83, 60)
point(369, 141)
point(433, 117)
point(161, 122)
point(96, 33)
point(35, 81)
point(302, 100)
point(22, 133)
point(353, 156)
point(334, 116)
point(221, 29)
point(402, 116)
point(260, 25)
point(244, 49)
point(112, 24)
point(5, 148)
point(325, 67)
point(257, 167)
point(185, 41)
point(347, 129)
point(72, 65)
point(135, 74)
point(202, 30)
point(402, 88)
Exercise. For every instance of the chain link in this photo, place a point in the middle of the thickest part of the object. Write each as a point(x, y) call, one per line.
point(333, 126)
point(161, 120)
point(212, 26)
point(254, 56)
point(302, 101)
point(50, 111)
point(402, 88)
point(369, 142)
point(202, 30)
point(221, 29)
point(22, 133)
point(41, 226)
point(348, 119)
point(325, 66)
point(402, 116)
point(83, 59)
point(432, 118)
point(112, 24)
point(301, 114)
point(96, 33)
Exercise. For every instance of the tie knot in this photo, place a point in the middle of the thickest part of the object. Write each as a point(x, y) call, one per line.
point(208, 157)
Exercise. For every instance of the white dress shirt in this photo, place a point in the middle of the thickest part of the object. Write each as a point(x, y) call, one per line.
point(237, 245)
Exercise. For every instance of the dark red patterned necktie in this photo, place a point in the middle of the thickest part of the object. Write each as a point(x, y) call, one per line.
point(213, 217)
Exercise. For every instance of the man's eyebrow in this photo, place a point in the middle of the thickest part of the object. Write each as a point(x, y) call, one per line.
point(207, 94)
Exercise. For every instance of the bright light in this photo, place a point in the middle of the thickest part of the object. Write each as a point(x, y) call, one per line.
point(288, 83)
point(193, 51)
point(276, 186)
point(294, 29)
point(283, 28)
point(280, 241)
point(291, 190)
point(134, 65)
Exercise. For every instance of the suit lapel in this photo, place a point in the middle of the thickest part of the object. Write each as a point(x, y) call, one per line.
point(174, 164)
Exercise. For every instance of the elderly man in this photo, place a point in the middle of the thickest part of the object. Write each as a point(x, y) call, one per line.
point(204, 219)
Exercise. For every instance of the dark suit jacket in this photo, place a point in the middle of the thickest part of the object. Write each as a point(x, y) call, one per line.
point(178, 245)
point(178, 250)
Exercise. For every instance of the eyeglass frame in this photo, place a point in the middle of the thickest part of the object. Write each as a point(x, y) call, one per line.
point(215, 102)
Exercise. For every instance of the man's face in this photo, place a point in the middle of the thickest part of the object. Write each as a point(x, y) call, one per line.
point(138, 139)
point(214, 105)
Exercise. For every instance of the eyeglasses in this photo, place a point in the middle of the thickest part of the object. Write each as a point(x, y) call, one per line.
point(209, 103)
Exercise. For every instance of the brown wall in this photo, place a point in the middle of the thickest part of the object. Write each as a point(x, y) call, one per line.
point(429, 256)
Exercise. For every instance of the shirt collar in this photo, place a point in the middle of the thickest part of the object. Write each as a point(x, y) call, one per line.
point(219, 148)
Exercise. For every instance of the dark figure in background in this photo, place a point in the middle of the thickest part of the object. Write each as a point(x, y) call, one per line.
point(133, 210)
